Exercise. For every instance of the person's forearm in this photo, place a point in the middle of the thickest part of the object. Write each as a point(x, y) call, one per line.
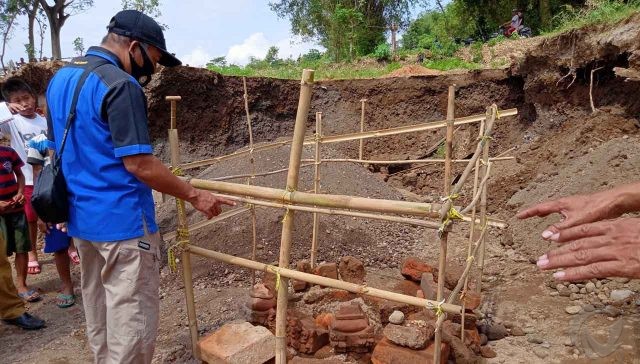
point(626, 198)
point(21, 181)
point(150, 170)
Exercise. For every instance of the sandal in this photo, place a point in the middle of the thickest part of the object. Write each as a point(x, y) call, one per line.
point(65, 300)
point(30, 296)
point(33, 267)
point(73, 255)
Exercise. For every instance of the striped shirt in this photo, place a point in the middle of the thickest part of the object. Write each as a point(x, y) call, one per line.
point(9, 162)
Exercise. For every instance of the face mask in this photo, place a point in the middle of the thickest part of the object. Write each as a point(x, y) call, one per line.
point(142, 74)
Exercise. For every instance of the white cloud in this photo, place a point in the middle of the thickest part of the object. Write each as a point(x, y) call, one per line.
point(197, 58)
point(257, 45)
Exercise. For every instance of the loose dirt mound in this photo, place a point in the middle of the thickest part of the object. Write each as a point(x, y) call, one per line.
point(413, 70)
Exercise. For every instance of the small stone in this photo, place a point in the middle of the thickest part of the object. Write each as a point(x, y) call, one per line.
point(590, 287)
point(588, 308)
point(496, 332)
point(529, 330)
point(568, 342)
point(602, 297)
point(575, 296)
point(611, 311)
point(572, 310)
point(598, 284)
point(583, 290)
point(546, 345)
point(487, 352)
point(517, 331)
point(396, 318)
point(554, 294)
point(622, 280)
point(563, 290)
point(541, 352)
point(535, 340)
point(620, 294)
point(483, 339)
point(573, 288)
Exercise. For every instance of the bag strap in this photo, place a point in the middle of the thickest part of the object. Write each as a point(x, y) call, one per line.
point(72, 110)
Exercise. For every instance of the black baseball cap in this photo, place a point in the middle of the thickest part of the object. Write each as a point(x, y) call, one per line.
point(141, 27)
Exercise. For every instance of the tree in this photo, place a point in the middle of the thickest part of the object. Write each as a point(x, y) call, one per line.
point(10, 11)
point(42, 29)
point(31, 8)
point(78, 46)
point(149, 7)
point(217, 62)
point(58, 13)
point(346, 28)
point(272, 55)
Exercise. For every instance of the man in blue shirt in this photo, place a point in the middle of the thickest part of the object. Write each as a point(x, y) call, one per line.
point(110, 171)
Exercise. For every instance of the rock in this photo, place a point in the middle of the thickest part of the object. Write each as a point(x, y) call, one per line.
point(330, 360)
point(573, 288)
point(588, 308)
point(461, 353)
point(563, 290)
point(583, 290)
point(410, 337)
point(622, 280)
point(541, 352)
point(472, 300)
point(412, 269)
point(238, 343)
point(396, 318)
point(428, 286)
point(590, 287)
point(572, 310)
point(487, 352)
point(568, 342)
point(387, 352)
point(517, 331)
point(529, 330)
point(410, 288)
point(483, 339)
point(575, 296)
point(352, 270)
point(598, 285)
point(546, 345)
point(620, 294)
point(496, 332)
point(535, 340)
point(301, 266)
point(611, 311)
point(328, 270)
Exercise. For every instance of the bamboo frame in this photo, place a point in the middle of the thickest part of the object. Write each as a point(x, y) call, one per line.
point(361, 146)
point(444, 234)
point(348, 137)
point(202, 224)
point(253, 175)
point(316, 189)
point(323, 281)
point(287, 225)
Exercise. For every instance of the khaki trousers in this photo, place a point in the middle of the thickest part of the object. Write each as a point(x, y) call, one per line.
point(120, 283)
point(11, 305)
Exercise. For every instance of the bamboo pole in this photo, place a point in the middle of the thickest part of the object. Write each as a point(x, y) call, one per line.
point(493, 111)
point(349, 137)
point(202, 224)
point(316, 189)
point(183, 225)
point(442, 263)
point(253, 175)
point(361, 147)
point(323, 281)
point(287, 224)
point(398, 219)
point(471, 229)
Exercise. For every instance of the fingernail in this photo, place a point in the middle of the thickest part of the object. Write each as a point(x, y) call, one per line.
point(559, 275)
point(547, 234)
point(555, 237)
point(543, 262)
point(543, 257)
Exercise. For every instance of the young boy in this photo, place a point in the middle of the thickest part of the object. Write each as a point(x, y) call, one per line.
point(26, 124)
point(12, 199)
point(56, 241)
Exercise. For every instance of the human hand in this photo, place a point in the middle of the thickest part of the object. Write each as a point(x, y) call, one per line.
point(575, 210)
point(14, 107)
point(598, 250)
point(62, 227)
point(18, 199)
point(209, 204)
point(44, 227)
point(5, 205)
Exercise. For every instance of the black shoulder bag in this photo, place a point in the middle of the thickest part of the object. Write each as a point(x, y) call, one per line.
point(50, 196)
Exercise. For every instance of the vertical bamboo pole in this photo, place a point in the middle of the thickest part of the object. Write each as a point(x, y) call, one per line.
point(445, 234)
point(287, 224)
point(361, 148)
point(253, 173)
point(183, 226)
point(316, 189)
point(472, 229)
point(493, 112)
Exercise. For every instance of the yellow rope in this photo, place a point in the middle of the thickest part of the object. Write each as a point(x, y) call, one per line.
point(436, 308)
point(498, 114)
point(276, 271)
point(452, 215)
point(470, 258)
point(182, 233)
point(286, 215)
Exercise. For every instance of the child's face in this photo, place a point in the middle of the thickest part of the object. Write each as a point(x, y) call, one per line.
point(26, 100)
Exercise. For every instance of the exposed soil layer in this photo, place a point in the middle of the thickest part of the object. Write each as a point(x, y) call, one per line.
point(561, 147)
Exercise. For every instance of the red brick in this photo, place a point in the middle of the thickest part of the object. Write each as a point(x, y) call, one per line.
point(329, 270)
point(352, 270)
point(472, 300)
point(305, 267)
point(412, 268)
point(389, 353)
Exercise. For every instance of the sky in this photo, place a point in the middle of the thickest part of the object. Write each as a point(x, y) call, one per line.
point(199, 30)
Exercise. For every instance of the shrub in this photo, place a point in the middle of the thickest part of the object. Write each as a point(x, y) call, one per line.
point(382, 52)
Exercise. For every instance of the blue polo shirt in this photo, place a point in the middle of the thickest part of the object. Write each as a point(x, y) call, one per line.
point(107, 203)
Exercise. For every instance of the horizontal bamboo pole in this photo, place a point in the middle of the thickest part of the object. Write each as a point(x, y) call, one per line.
point(404, 161)
point(321, 200)
point(205, 223)
point(323, 281)
point(347, 137)
point(263, 174)
point(403, 220)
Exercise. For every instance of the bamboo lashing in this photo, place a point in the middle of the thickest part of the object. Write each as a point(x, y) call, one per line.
point(253, 175)
point(316, 189)
point(287, 225)
point(361, 145)
point(348, 137)
point(323, 281)
point(444, 215)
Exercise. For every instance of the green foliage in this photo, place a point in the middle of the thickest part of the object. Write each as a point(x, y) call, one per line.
point(382, 52)
point(312, 55)
point(272, 55)
point(492, 42)
point(476, 52)
point(607, 11)
point(149, 7)
point(78, 46)
point(452, 63)
point(217, 62)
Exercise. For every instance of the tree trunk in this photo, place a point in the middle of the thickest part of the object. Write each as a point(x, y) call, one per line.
point(545, 14)
point(31, 52)
point(56, 51)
